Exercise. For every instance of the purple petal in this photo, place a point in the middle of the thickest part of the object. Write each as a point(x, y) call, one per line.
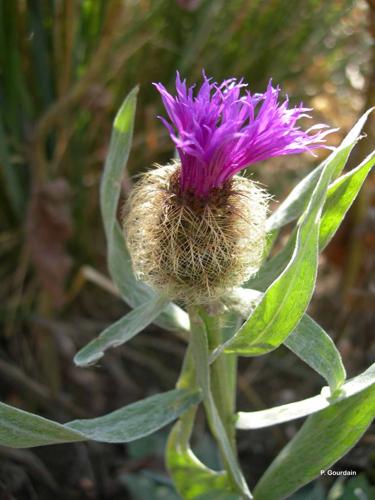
point(223, 129)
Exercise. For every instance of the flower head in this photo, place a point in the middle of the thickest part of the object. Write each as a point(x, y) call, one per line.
point(194, 252)
point(224, 129)
point(194, 228)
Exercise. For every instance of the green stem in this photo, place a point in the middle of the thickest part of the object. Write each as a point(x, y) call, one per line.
point(220, 395)
point(186, 380)
point(223, 377)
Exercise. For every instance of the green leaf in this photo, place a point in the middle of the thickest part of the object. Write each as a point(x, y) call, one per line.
point(285, 301)
point(199, 346)
point(292, 411)
point(119, 262)
point(193, 480)
point(341, 195)
point(295, 203)
point(21, 429)
point(138, 419)
point(121, 331)
point(315, 347)
point(182, 463)
point(133, 291)
point(270, 241)
point(308, 340)
point(348, 187)
point(323, 439)
point(119, 148)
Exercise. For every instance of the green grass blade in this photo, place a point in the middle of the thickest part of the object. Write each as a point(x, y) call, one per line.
point(10, 177)
point(41, 58)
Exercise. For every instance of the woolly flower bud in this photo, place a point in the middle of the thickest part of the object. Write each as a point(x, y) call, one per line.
point(195, 228)
point(194, 249)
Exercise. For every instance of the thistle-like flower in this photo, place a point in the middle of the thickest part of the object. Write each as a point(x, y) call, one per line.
point(195, 228)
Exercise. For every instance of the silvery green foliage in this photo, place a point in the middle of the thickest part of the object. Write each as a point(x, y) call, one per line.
point(268, 312)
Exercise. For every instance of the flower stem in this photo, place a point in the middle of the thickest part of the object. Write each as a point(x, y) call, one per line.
point(187, 380)
point(220, 396)
point(223, 377)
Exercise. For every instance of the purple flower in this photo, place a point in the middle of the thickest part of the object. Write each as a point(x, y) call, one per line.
point(224, 129)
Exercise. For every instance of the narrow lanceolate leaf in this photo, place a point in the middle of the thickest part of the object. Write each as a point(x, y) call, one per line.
point(295, 203)
point(138, 419)
point(340, 197)
point(316, 348)
point(133, 291)
point(270, 241)
point(308, 340)
point(199, 346)
point(20, 429)
point(121, 331)
point(119, 148)
point(323, 439)
point(292, 411)
point(293, 206)
point(273, 268)
point(120, 267)
point(119, 261)
point(286, 300)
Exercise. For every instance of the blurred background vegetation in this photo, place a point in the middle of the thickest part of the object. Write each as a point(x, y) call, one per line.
point(65, 67)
